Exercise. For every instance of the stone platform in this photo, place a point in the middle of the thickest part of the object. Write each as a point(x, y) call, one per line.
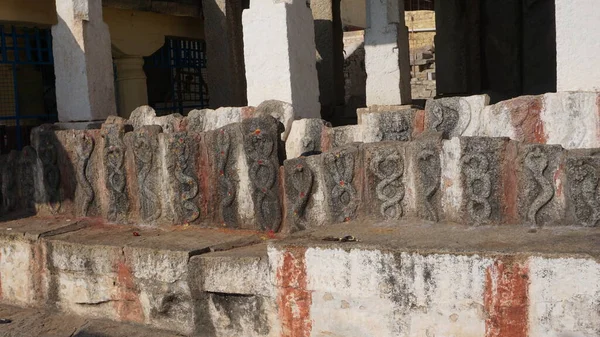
point(359, 278)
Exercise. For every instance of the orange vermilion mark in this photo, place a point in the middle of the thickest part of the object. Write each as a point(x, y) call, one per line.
point(506, 301)
point(127, 304)
point(293, 299)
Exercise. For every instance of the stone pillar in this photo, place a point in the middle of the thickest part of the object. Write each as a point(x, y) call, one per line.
point(330, 54)
point(131, 84)
point(577, 45)
point(457, 47)
point(224, 53)
point(387, 54)
point(82, 62)
point(279, 52)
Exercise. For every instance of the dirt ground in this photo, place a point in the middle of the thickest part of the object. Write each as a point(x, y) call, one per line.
point(37, 322)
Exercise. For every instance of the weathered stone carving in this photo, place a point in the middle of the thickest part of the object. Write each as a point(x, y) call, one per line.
point(583, 188)
point(428, 165)
point(227, 189)
point(537, 162)
point(478, 185)
point(48, 155)
point(394, 126)
point(114, 157)
point(301, 181)
point(84, 149)
point(259, 144)
point(27, 164)
point(388, 167)
point(187, 186)
point(9, 183)
point(340, 166)
point(144, 148)
point(444, 115)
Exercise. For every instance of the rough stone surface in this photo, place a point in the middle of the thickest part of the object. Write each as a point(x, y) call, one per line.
point(582, 187)
point(281, 111)
point(456, 116)
point(381, 123)
point(307, 135)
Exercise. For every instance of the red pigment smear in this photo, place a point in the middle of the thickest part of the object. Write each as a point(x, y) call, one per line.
point(293, 299)
point(37, 268)
point(127, 304)
point(0, 278)
point(506, 299)
point(509, 183)
point(525, 115)
point(419, 122)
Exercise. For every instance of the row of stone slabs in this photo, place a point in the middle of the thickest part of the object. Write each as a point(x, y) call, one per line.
point(231, 177)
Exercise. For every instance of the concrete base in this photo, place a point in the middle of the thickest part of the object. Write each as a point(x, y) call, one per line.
point(408, 278)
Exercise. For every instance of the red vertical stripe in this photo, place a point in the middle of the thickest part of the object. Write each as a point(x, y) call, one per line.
point(293, 299)
point(506, 299)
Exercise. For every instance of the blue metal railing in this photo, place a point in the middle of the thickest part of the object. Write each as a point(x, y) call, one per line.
point(21, 46)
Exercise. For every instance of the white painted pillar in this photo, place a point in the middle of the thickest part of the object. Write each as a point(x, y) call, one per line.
point(387, 54)
point(82, 62)
point(131, 84)
point(577, 45)
point(279, 53)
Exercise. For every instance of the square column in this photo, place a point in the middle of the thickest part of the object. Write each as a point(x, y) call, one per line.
point(224, 53)
point(577, 45)
point(279, 52)
point(387, 59)
point(82, 62)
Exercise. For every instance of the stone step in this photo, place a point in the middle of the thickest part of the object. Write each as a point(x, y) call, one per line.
point(359, 278)
point(122, 273)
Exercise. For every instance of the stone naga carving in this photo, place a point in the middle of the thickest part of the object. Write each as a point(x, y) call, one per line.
point(478, 185)
point(394, 126)
point(584, 191)
point(341, 168)
point(537, 162)
point(228, 192)
point(428, 164)
point(444, 115)
point(144, 148)
point(48, 156)
point(188, 186)
point(259, 145)
point(9, 182)
point(84, 149)
point(27, 165)
point(389, 169)
point(302, 179)
point(114, 158)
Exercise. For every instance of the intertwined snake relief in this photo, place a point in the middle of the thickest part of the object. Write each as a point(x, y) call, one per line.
point(144, 148)
point(389, 168)
point(114, 158)
point(188, 186)
point(259, 146)
point(584, 191)
point(228, 192)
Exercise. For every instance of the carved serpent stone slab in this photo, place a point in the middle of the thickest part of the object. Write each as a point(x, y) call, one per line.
point(340, 178)
point(385, 165)
point(113, 158)
point(261, 146)
point(180, 162)
point(299, 182)
point(583, 185)
point(425, 156)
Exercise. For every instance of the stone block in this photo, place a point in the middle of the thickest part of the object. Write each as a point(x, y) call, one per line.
point(541, 200)
point(180, 192)
point(381, 123)
point(455, 116)
point(144, 165)
point(583, 198)
point(423, 193)
point(114, 171)
point(304, 198)
point(307, 135)
point(385, 174)
point(344, 135)
point(477, 179)
point(281, 111)
point(208, 119)
point(343, 173)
